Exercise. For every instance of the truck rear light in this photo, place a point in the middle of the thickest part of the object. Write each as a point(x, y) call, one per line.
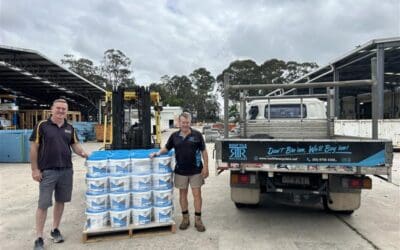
point(357, 183)
point(244, 179)
point(234, 178)
point(240, 179)
point(367, 183)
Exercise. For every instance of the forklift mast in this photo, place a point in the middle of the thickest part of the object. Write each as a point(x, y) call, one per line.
point(138, 135)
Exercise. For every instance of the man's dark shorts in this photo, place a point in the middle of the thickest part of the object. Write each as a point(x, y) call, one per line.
point(59, 181)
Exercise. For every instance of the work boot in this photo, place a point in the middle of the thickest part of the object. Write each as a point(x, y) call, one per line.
point(39, 244)
point(199, 224)
point(56, 236)
point(185, 222)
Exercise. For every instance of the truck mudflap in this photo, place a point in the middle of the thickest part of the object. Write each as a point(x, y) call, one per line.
point(352, 156)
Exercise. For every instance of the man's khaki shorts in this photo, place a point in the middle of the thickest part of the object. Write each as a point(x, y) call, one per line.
point(183, 181)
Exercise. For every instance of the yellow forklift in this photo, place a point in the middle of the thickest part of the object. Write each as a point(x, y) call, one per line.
point(128, 130)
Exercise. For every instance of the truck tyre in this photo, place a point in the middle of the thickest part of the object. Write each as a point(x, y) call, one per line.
point(239, 205)
point(242, 205)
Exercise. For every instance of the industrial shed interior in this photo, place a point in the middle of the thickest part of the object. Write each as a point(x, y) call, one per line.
point(355, 102)
point(29, 82)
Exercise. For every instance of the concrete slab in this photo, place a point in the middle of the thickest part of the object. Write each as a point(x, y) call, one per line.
point(271, 226)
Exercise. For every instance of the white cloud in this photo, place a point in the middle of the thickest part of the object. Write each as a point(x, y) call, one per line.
point(175, 37)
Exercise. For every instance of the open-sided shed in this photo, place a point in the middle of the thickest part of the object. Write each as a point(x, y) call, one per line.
point(36, 81)
point(356, 65)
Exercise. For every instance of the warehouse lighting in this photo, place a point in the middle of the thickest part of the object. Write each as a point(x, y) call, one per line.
point(15, 68)
point(389, 73)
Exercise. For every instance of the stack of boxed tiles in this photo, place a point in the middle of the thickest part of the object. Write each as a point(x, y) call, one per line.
point(126, 187)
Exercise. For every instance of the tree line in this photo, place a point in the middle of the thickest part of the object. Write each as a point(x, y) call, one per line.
point(195, 93)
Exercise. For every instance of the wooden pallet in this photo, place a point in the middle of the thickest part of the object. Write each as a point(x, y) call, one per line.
point(132, 231)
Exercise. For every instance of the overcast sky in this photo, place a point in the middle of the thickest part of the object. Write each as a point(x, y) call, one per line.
point(175, 37)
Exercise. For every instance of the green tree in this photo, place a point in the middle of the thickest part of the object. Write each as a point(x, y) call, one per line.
point(203, 83)
point(212, 108)
point(85, 68)
point(184, 92)
point(116, 69)
point(168, 87)
point(296, 70)
point(233, 113)
point(167, 90)
point(271, 71)
point(243, 72)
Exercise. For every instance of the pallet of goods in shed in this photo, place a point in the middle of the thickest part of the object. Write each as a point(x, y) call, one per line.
point(128, 194)
point(28, 118)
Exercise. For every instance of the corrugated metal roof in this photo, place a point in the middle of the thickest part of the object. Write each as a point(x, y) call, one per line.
point(37, 81)
point(356, 65)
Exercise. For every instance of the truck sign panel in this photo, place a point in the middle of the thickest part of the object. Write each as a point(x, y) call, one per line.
point(342, 153)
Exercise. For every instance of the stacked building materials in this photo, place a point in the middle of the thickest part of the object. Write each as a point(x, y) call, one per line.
point(127, 188)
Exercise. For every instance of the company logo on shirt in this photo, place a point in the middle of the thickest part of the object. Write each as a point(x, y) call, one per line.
point(68, 131)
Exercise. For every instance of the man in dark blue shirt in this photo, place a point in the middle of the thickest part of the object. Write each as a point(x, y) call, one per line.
point(190, 168)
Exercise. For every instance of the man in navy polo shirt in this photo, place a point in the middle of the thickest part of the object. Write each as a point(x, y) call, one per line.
point(190, 169)
point(51, 163)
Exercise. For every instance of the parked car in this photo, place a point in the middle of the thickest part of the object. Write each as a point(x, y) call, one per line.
point(206, 127)
point(211, 135)
point(235, 132)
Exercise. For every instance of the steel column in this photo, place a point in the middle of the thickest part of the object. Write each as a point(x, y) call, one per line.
point(374, 97)
point(380, 69)
point(226, 104)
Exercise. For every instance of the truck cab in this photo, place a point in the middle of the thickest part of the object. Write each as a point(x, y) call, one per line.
point(286, 109)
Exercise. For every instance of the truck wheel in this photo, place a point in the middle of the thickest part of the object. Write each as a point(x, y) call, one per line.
point(253, 205)
point(345, 212)
point(325, 204)
point(240, 205)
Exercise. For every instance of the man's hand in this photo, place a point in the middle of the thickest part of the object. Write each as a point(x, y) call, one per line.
point(152, 155)
point(84, 155)
point(37, 175)
point(205, 172)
